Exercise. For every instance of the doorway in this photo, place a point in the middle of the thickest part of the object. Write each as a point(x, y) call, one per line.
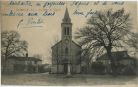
point(65, 68)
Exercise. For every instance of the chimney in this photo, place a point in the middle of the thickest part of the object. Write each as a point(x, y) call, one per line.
point(26, 54)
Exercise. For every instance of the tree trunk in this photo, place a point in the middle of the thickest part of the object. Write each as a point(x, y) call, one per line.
point(112, 60)
point(5, 66)
point(58, 67)
point(5, 59)
point(88, 68)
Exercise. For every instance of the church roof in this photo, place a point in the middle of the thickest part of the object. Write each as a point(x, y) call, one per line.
point(61, 41)
point(56, 44)
point(76, 43)
point(66, 16)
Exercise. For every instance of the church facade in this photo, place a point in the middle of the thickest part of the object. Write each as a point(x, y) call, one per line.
point(66, 54)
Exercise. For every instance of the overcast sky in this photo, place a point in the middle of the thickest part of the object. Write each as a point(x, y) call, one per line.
point(42, 36)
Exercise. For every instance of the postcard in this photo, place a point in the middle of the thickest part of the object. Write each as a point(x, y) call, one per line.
point(69, 43)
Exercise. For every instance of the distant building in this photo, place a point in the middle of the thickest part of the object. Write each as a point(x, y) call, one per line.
point(66, 54)
point(45, 68)
point(121, 57)
point(22, 64)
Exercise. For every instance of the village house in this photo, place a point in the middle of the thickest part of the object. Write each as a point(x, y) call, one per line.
point(22, 64)
point(122, 58)
point(66, 54)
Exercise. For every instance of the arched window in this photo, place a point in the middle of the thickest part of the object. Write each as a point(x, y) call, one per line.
point(66, 51)
point(66, 30)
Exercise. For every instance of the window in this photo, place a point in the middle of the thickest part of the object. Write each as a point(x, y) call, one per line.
point(66, 51)
point(125, 54)
point(32, 62)
point(35, 62)
point(66, 30)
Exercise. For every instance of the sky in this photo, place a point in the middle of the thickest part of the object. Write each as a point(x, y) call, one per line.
point(41, 36)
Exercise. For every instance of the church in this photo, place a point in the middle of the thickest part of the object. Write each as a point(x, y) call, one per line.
point(66, 54)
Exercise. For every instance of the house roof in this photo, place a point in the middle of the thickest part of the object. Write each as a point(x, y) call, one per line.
point(118, 55)
point(24, 58)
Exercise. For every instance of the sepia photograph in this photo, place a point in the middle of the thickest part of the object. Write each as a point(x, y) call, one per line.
point(69, 43)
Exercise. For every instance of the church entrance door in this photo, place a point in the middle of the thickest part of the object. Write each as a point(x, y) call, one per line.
point(65, 68)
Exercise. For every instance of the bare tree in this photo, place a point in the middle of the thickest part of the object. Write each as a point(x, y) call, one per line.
point(105, 31)
point(134, 42)
point(11, 45)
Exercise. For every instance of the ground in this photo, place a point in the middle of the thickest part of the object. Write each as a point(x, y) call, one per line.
point(62, 80)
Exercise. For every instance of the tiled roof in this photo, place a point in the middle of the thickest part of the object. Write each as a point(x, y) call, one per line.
point(25, 58)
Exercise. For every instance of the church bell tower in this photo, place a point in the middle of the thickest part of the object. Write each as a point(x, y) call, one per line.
point(66, 37)
point(66, 26)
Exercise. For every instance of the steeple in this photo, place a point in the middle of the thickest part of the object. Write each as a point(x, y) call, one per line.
point(66, 26)
point(66, 18)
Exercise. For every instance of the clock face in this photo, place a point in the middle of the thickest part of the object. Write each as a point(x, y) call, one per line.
point(66, 41)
